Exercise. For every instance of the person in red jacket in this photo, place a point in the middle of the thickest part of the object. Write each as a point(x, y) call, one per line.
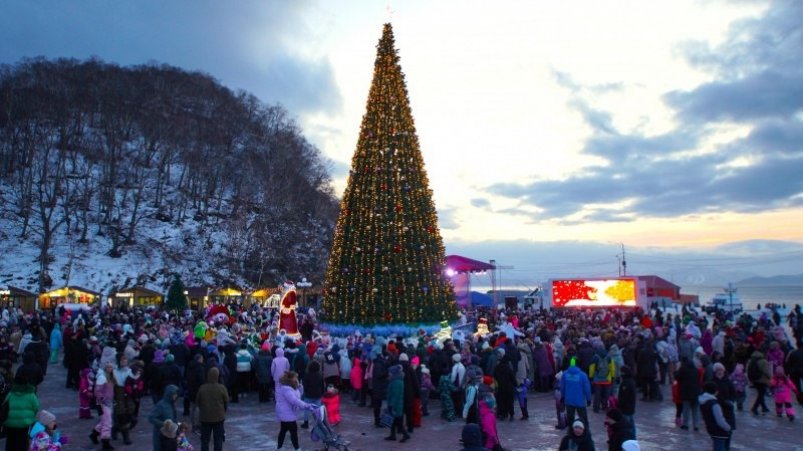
point(331, 400)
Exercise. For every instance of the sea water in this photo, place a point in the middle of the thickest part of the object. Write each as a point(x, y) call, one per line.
point(751, 296)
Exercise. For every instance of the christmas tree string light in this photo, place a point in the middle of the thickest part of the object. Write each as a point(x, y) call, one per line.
point(387, 259)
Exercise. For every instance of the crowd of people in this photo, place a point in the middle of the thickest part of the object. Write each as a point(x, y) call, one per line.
point(597, 360)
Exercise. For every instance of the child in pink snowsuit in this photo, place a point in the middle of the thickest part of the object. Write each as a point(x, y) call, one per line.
point(85, 394)
point(488, 419)
point(331, 400)
point(356, 378)
point(782, 389)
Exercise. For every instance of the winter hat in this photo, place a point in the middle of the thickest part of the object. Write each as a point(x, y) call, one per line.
point(579, 424)
point(487, 380)
point(170, 358)
point(169, 429)
point(631, 445)
point(395, 370)
point(424, 369)
point(44, 417)
point(718, 366)
point(415, 361)
point(158, 356)
point(501, 351)
point(615, 415)
point(456, 358)
point(403, 357)
point(265, 346)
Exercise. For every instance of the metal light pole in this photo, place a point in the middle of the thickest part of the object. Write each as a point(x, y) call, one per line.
point(730, 290)
point(622, 260)
point(304, 285)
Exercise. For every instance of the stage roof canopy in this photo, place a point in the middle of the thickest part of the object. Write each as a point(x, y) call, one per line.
point(460, 264)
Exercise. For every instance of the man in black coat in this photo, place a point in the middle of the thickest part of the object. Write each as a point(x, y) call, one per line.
point(194, 378)
point(412, 389)
point(585, 355)
point(38, 349)
point(794, 366)
point(689, 385)
point(627, 395)
point(647, 369)
point(506, 389)
point(379, 385)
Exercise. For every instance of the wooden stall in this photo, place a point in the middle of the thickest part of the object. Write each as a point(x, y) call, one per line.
point(137, 296)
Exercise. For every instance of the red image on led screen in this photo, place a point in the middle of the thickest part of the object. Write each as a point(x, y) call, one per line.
point(594, 293)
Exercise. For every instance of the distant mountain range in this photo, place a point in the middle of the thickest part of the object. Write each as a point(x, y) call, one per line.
point(775, 281)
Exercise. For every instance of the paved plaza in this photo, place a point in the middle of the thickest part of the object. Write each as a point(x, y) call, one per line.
point(253, 426)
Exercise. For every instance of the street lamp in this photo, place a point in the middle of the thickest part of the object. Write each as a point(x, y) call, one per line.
point(304, 285)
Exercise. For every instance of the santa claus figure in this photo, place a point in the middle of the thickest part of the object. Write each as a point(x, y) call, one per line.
point(287, 311)
point(482, 328)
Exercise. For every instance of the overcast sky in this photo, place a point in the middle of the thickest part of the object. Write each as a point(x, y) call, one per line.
point(553, 132)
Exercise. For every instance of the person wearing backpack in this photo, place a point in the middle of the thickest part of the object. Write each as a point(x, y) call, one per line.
point(601, 372)
point(758, 372)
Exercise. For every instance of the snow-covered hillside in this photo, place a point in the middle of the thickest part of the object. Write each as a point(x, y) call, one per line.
point(128, 175)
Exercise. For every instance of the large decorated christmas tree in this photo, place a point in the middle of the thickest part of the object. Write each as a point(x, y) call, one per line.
point(387, 259)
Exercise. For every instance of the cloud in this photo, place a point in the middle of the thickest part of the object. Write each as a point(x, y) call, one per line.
point(480, 203)
point(537, 261)
point(251, 45)
point(447, 219)
point(773, 248)
point(758, 84)
point(338, 169)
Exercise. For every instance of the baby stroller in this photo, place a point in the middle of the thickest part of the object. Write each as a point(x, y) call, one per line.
point(323, 432)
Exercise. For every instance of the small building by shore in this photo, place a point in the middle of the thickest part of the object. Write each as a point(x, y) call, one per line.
point(71, 294)
point(12, 297)
point(136, 296)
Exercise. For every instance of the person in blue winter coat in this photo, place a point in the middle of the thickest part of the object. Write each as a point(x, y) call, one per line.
point(163, 410)
point(575, 389)
point(55, 343)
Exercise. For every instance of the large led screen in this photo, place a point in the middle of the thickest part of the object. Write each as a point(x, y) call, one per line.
point(594, 293)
